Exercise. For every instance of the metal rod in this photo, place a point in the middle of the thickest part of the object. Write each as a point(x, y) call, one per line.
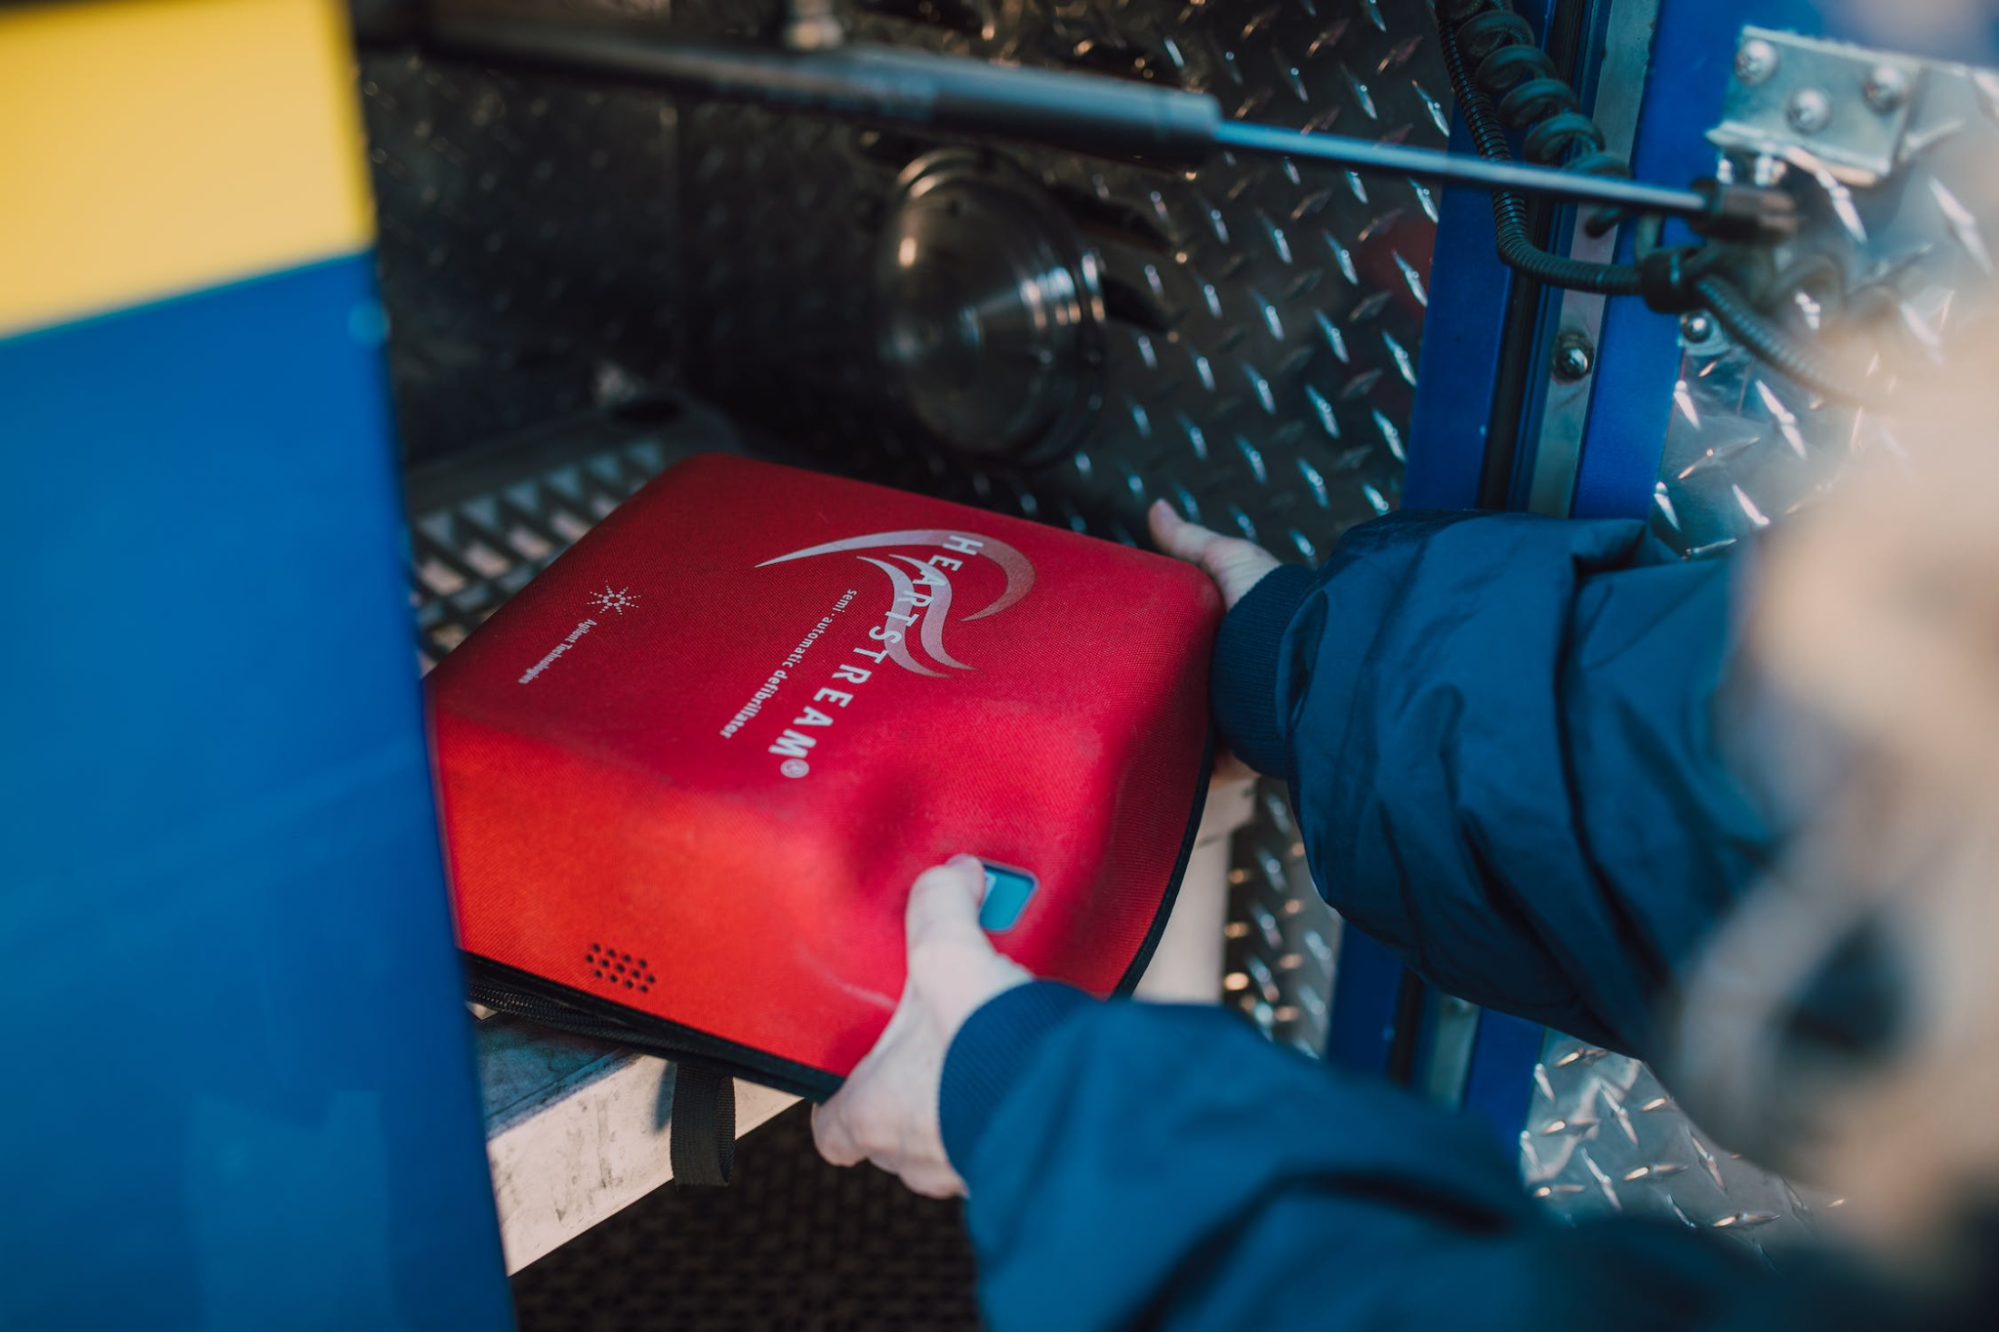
point(872, 84)
point(1430, 164)
point(952, 94)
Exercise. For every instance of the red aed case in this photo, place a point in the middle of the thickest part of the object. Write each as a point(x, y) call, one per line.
point(689, 773)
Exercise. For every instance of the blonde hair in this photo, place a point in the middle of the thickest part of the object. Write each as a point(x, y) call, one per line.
point(1876, 616)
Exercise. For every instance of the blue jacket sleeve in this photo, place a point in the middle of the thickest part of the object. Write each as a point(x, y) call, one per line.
point(1504, 740)
point(1134, 1165)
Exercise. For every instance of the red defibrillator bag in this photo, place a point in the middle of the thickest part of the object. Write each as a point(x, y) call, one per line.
point(689, 773)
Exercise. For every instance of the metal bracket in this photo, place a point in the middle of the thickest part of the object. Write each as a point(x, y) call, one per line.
point(1845, 106)
point(1620, 87)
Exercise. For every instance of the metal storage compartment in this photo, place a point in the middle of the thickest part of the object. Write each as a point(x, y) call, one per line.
point(1048, 335)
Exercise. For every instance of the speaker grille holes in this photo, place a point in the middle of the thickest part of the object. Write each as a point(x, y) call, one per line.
point(617, 968)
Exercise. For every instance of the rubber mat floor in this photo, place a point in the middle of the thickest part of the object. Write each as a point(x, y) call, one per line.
point(793, 1243)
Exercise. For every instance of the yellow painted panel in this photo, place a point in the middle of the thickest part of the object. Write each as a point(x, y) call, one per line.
point(152, 147)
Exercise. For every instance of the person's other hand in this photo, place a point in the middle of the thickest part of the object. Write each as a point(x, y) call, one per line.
point(1234, 564)
point(886, 1112)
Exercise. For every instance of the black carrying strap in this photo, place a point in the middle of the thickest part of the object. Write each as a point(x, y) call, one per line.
point(702, 1135)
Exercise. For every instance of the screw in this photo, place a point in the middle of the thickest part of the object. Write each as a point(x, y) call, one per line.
point(1696, 326)
point(1886, 88)
point(811, 25)
point(1756, 61)
point(1809, 110)
point(1574, 357)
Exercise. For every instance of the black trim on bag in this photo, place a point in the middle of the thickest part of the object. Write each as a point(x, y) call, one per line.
point(552, 1004)
point(1139, 961)
point(520, 994)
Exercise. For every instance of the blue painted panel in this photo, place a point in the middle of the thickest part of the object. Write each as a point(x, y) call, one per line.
point(1459, 359)
point(1458, 366)
point(1693, 50)
point(242, 1089)
point(1366, 990)
point(1500, 1083)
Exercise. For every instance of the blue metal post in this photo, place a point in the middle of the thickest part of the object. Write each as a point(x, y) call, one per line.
point(241, 1087)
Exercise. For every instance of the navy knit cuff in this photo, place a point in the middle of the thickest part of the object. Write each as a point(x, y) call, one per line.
point(987, 1055)
point(1242, 683)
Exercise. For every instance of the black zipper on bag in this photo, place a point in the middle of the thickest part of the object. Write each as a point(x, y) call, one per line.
point(509, 990)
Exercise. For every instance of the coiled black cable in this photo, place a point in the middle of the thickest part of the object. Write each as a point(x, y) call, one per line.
point(1500, 33)
point(1532, 97)
point(1748, 326)
point(1717, 287)
point(1509, 212)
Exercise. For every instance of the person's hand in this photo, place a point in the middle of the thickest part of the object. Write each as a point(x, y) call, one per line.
point(1234, 564)
point(886, 1112)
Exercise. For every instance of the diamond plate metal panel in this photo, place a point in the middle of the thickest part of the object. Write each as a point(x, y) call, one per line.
point(1603, 1138)
point(525, 248)
point(1283, 942)
point(1264, 320)
point(1745, 446)
point(480, 531)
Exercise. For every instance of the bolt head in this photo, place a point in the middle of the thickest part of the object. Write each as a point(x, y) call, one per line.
point(1886, 88)
point(1755, 61)
point(814, 32)
point(1573, 360)
point(1696, 326)
point(1809, 110)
